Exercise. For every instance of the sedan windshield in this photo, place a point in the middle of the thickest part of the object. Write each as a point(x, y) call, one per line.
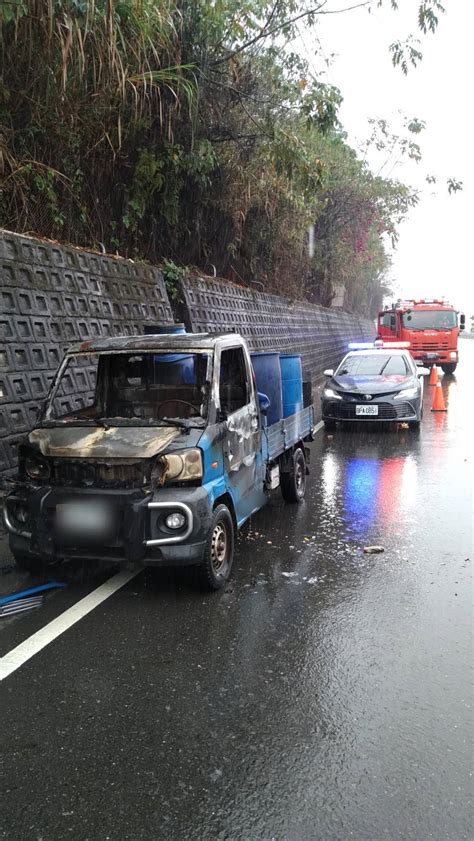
point(373, 365)
point(430, 320)
point(135, 386)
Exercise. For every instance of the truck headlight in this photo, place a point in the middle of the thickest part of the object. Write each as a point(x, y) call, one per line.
point(333, 395)
point(37, 468)
point(182, 466)
point(406, 393)
point(453, 354)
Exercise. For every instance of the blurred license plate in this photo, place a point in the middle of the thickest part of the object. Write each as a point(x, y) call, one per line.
point(86, 519)
point(367, 410)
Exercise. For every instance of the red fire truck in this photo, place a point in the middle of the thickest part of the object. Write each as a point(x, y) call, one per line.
point(431, 326)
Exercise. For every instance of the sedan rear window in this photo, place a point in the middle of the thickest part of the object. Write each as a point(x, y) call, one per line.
point(372, 365)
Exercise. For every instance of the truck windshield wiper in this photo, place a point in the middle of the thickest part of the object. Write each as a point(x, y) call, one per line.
point(107, 423)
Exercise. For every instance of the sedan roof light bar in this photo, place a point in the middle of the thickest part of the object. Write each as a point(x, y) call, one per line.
point(378, 345)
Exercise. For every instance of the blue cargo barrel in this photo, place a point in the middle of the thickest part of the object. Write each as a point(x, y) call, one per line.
point(179, 368)
point(163, 329)
point(268, 377)
point(291, 383)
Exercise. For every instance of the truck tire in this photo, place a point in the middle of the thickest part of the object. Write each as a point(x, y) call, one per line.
point(449, 368)
point(218, 557)
point(329, 425)
point(293, 484)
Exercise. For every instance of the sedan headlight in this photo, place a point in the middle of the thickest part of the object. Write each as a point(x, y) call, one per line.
point(406, 393)
point(37, 468)
point(331, 394)
point(182, 466)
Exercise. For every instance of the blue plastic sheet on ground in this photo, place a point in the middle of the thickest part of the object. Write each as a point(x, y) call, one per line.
point(32, 591)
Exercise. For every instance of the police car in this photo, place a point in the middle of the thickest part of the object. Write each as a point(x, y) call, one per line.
point(377, 381)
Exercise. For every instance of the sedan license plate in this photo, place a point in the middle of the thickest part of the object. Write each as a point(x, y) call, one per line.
point(367, 410)
point(84, 519)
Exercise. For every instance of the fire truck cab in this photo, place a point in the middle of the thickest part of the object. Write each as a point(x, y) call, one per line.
point(430, 325)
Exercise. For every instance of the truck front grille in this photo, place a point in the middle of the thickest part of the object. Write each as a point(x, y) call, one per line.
point(86, 474)
point(430, 346)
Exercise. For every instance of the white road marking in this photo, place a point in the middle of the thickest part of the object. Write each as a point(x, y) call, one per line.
point(318, 426)
point(31, 646)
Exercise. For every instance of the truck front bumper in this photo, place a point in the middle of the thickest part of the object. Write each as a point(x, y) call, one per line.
point(441, 357)
point(139, 532)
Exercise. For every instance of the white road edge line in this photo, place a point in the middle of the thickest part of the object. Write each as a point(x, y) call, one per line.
point(31, 646)
point(318, 426)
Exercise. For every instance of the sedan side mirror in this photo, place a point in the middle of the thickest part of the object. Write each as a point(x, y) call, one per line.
point(328, 372)
point(423, 372)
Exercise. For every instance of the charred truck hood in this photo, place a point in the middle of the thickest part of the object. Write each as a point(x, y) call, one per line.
point(115, 442)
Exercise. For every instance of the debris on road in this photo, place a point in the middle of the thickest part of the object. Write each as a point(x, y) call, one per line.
point(27, 599)
point(20, 605)
point(373, 550)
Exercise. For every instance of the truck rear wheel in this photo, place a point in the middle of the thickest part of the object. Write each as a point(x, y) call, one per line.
point(218, 557)
point(449, 368)
point(293, 484)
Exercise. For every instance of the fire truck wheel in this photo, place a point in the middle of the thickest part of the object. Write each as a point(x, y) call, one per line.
point(293, 484)
point(449, 368)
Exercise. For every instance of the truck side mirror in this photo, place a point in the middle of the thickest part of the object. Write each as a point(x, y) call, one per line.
point(462, 321)
point(264, 402)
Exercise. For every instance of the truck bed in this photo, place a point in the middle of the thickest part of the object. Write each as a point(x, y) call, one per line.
point(286, 433)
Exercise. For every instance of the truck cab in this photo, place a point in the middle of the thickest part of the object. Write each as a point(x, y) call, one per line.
point(429, 325)
point(151, 449)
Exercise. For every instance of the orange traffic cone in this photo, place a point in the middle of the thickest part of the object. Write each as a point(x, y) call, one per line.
point(438, 400)
point(433, 375)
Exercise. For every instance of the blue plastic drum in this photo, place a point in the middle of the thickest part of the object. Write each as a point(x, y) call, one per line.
point(178, 368)
point(291, 383)
point(268, 377)
point(164, 329)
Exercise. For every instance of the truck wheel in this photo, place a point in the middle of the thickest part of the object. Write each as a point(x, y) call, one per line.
point(219, 552)
point(293, 484)
point(329, 425)
point(449, 368)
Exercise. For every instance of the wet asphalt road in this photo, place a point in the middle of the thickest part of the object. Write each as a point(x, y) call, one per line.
point(326, 694)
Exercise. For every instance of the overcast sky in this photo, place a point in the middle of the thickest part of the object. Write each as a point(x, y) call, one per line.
point(434, 254)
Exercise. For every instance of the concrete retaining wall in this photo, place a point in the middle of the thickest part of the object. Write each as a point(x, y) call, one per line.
point(52, 296)
point(269, 322)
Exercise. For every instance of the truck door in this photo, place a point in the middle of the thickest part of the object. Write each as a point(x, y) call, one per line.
point(387, 325)
point(241, 440)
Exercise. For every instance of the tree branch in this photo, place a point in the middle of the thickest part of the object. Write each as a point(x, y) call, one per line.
point(264, 32)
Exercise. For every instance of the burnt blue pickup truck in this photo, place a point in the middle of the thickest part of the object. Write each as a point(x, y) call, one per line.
point(155, 449)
